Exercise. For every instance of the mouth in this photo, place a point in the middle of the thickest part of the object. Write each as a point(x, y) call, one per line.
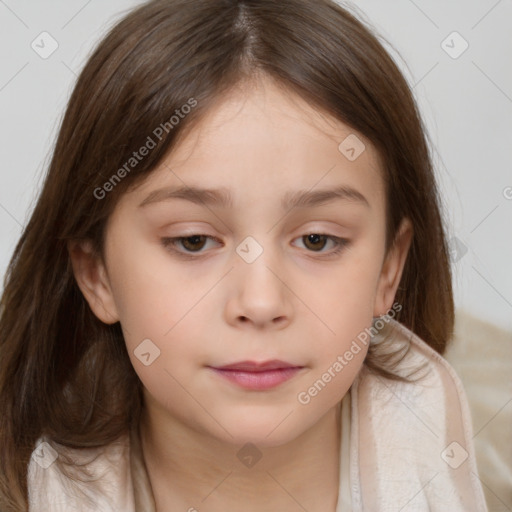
point(257, 376)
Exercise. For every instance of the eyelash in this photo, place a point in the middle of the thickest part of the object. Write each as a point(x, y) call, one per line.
point(170, 244)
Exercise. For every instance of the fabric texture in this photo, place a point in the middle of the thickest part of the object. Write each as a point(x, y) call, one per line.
point(481, 354)
point(405, 446)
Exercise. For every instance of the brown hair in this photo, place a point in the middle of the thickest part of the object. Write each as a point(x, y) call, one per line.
point(65, 374)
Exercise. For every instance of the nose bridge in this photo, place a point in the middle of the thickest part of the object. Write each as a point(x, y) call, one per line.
point(261, 294)
point(259, 261)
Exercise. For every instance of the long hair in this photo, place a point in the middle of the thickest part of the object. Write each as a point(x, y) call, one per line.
point(66, 375)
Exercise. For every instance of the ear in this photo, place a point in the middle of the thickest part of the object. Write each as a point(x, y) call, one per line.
point(92, 279)
point(392, 269)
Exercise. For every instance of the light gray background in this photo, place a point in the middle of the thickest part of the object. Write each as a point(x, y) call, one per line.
point(466, 103)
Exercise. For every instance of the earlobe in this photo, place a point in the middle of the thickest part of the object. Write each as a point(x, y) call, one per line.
point(392, 269)
point(92, 279)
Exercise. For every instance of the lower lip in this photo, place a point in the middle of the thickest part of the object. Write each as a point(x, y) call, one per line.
point(258, 380)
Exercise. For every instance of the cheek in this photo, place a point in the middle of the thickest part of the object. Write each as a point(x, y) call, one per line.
point(344, 303)
point(340, 351)
point(332, 381)
point(161, 317)
point(152, 293)
point(160, 314)
point(345, 294)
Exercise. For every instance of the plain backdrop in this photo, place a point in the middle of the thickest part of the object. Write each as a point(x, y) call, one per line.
point(455, 54)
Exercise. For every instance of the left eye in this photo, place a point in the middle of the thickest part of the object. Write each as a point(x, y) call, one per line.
point(191, 242)
point(317, 239)
point(194, 243)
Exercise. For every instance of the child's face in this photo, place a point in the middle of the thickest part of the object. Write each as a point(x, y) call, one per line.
point(218, 300)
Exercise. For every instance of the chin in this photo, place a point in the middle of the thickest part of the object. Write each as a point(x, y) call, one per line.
point(269, 431)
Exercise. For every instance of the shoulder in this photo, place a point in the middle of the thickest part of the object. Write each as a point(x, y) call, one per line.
point(413, 440)
point(61, 478)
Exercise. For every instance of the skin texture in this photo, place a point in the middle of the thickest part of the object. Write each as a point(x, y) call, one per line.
point(297, 301)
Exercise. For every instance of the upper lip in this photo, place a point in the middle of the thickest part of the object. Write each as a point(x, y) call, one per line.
point(254, 366)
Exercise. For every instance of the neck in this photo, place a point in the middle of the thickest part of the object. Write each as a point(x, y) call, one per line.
point(189, 469)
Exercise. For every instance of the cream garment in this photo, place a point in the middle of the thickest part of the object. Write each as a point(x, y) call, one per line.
point(405, 447)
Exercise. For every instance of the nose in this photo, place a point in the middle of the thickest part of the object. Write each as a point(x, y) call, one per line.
point(260, 295)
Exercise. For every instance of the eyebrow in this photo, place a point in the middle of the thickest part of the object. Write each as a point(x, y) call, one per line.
point(222, 196)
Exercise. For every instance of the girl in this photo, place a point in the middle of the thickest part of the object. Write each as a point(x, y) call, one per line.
point(234, 288)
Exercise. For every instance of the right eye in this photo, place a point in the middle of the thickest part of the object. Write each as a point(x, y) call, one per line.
point(191, 243)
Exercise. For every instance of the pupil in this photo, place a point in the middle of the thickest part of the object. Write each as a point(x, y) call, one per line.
point(195, 240)
point(314, 238)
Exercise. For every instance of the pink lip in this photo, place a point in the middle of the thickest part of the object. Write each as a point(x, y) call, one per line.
point(257, 376)
point(254, 366)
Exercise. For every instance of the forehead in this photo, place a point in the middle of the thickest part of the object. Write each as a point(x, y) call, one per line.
point(260, 141)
